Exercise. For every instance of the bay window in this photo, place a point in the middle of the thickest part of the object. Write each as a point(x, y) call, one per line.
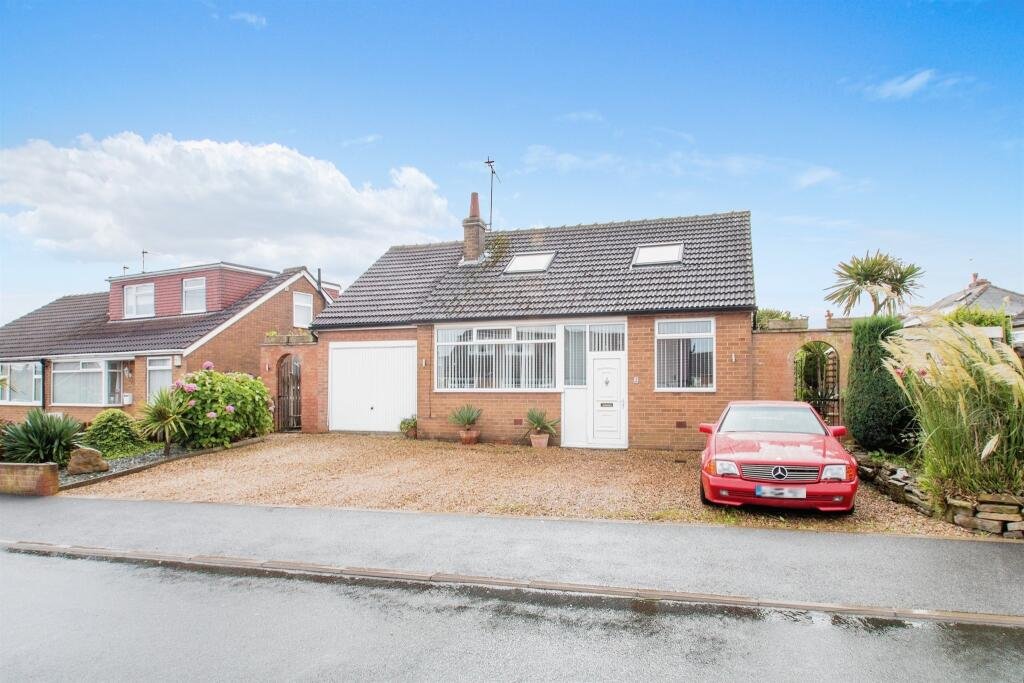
point(88, 382)
point(507, 357)
point(685, 355)
point(21, 383)
point(139, 301)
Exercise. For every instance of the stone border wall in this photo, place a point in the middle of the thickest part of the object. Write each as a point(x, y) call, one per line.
point(29, 479)
point(993, 513)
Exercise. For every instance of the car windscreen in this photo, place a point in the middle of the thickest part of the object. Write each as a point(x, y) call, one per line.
point(791, 419)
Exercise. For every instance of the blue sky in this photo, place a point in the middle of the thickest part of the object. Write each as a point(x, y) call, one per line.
point(317, 133)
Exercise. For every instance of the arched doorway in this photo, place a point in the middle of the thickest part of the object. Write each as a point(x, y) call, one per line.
point(288, 415)
point(816, 379)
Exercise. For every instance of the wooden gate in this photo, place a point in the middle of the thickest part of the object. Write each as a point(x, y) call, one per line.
point(817, 380)
point(288, 415)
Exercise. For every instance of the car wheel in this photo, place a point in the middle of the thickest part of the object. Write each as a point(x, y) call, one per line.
point(703, 498)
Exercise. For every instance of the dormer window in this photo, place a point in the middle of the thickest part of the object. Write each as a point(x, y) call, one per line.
point(530, 263)
point(652, 254)
point(138, 301)
point(193, 295)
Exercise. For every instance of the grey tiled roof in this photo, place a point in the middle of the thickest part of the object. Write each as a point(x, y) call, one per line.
point(982, 294)
point(78, 324)
point(591, 274)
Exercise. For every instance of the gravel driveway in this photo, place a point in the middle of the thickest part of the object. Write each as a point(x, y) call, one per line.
point(382, 472)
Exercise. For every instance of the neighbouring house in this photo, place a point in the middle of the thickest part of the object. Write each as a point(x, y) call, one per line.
point(84, 353)
point(980, 293)
point(630, 333)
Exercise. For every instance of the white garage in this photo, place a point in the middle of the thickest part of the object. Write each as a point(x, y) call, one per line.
point(371, 385)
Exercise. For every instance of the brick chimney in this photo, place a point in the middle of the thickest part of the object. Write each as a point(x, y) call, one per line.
point(473, 240)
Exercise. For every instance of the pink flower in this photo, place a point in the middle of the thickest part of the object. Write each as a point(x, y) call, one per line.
point(189, 388)
point(900, 372)
point(192, 403)
point(207, 365)
point(230, 408)
point(922, 372)
point(178, 384)
point(212, 415)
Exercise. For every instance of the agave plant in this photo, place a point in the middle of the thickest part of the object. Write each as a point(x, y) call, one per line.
point(42, 438)
point(540, 423)
point(465, 416)
point(163, 418)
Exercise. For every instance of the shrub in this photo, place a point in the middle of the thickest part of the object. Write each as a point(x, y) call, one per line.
point(876, 411)
point(968, 394)
point(973, 315)
point(407, 424)
point(763, 315)
point(163, 418)
point(42, 438)
point(223, 407)
point(539, 422)
point(113, 434)
point(466, 416)
point(4, 424)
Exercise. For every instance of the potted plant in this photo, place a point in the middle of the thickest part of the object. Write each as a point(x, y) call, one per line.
point(466, 418)
point(541, 428)
point(408, 427)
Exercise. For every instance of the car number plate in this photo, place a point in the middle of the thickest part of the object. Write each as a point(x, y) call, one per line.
point(780, 492)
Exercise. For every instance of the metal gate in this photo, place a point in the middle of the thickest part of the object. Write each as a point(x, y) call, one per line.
point(817, 380)
point(288, 415)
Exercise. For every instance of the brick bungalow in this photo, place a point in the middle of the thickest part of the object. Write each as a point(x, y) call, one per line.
point(630, 333)
point(84, 353)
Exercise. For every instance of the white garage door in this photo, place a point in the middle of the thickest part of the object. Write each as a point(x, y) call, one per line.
point(372, 385)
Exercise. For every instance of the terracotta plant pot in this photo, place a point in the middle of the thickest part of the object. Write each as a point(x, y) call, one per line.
point(469, 436)
point(539, 440)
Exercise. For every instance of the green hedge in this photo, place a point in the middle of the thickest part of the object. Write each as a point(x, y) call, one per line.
point(113, 434)
point(876, 412)
point(973, 315)
point(224, 407)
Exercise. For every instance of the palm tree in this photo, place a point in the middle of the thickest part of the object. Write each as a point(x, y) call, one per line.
point(163, 418)
point(888, 281)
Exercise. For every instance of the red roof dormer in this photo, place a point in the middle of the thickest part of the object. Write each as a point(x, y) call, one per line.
point(182, 291)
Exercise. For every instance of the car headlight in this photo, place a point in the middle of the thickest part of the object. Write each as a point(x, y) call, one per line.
point(725, 467)
point(837, 472)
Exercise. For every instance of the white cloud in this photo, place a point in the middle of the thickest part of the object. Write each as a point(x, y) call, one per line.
point(542, 156)
point(200, 200)
point(923, 82)
point(363, 140)
point(815, 175)
point(254, 20)
point(682, 135)
point(589, 116)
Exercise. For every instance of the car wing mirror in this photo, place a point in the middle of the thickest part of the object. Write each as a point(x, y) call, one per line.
point(706, 427)
point(837, 431)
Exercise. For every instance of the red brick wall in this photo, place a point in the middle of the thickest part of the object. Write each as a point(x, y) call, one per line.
point(774, 353)
point(223, 288)
point(668, 420)
point(238, 347)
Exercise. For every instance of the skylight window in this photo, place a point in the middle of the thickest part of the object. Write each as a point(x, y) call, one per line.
point(530, 263)
point(658, 253)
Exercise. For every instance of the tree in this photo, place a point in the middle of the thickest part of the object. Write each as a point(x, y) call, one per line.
point(888, 282)
point(876, 411)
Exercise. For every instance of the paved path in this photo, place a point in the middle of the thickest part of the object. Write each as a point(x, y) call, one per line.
point(78, 620)
point(870, 570)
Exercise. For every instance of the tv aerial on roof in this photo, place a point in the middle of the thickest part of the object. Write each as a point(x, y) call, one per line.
point(494, 174)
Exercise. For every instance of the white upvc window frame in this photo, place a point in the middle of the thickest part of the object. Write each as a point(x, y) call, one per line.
point(133, 292)
point(713, 335)
point(103, 370)
point(556, 327)
point(296, 306)
point(677, 258)
point(191, 284)
point(37, 382)
point(150, 368)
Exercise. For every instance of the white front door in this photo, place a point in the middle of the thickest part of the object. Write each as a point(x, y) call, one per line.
point(372, 385)
point(607, 398)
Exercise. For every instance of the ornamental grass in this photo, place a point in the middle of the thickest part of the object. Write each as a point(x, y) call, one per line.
point(968, 394)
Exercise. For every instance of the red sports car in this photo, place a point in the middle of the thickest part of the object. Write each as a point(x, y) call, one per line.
point(777, 453)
